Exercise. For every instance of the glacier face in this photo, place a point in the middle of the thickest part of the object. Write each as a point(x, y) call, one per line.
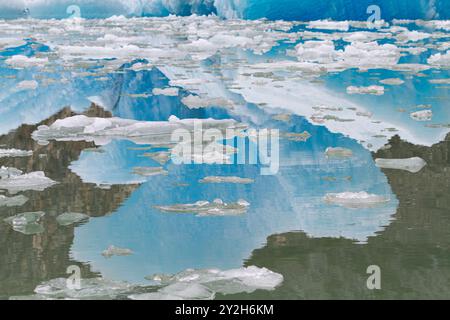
point(249, 9)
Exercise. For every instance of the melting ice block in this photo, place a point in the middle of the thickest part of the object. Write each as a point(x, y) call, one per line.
point(412, 165)
point(12, 201)
point(69, 218)
point(355, 199)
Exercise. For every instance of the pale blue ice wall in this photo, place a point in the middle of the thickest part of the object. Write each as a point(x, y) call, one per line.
point(249, 9)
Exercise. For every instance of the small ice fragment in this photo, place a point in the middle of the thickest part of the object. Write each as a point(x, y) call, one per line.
point(161, 157)
point(338, 152)
point(115, 251)
point(375, 90)
point(4, 153)
point(16, 201)
point(412, 165)
point(69, 218)
point(27, 85)
point(26, 223)
point(149, 171)
point(217, 179)
point(424, 115)
point(205, 208)
point(170, 92)
point(355, 199)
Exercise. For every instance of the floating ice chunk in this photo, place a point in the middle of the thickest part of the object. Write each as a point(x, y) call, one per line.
point(392, 81)
point(375, 90)
point(162, 157)
point(216, 179)
point(15, 181)
point(92, 289)
point(104, 130)
point(69, 218)
point(440, 81)
point(355, 199)
point(424, 115)
point(196, 102)
point(170, 92)
point(440, 60)
point(27, 85)
point(4, 153)
point(412, 165)
point(26, 223)
point(23, 62)
point(115, 251)
point(204, 284)
point(178, 291)
point(206, 208)
point(338, 152)
point(6, 172)
point(149, 171)
point(16, 201)
point(329, 25)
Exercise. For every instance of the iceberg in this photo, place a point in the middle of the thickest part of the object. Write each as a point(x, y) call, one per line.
point(412, 165)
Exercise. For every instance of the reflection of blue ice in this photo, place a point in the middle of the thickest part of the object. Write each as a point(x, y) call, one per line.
point(289, 201)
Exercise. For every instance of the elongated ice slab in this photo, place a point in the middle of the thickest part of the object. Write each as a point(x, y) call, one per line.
point(412, 165)
point(15, 181)
point(338, 152)
point(26, 223)
point(423, 115)
point(355, 199)
point(204, 284)
point(104, 130)
point(16, 201)
point(69, 218)
point(5, 153)
point(217, 179)
point(375, 90)
point(206, 208)
point(149, 171)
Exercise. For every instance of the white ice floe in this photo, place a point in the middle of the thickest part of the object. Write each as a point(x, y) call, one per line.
point(170, 92)
point(149, 171)
point(392, 81)
point(104, 130)
point(206, 208)
point(26, 223)
point(116, 251)
point(338, 152)
point(205, 284)
point(23, 62)
point(440, 81)
point(440, 60)
point(375, 90)
point(15, 180)
point(329, 25)
point(69, 218)
point(196, 102)
point(15, 201)
point(216, 179)
point(27, 85)
point(412, 165)
point(355, 199)
point(423, 115)
point(5, 153)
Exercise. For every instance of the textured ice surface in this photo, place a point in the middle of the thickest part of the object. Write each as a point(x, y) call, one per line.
point(26, 223)
point(69, 218)
point(355, 199)
point(412, 165)
point(206, 208)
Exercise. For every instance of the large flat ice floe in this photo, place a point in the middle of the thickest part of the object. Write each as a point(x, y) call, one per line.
point(355, 199)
